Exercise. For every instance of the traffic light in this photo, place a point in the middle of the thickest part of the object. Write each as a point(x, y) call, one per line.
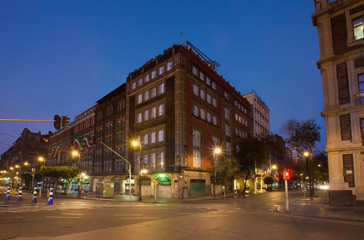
point(65, 121)
point(57, 122)
point(286, 175)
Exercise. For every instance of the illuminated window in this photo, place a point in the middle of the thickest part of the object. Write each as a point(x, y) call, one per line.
point(197, 163)
point(152, 137)
point(358, 29)
point(161, 110)
point(160, 160)
point(152, 160)
point(140, 98)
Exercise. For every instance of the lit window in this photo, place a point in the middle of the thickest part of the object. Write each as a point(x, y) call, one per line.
point(140, 117)
point(160, 160)
point(161, 135)
point(134, 85)
point(208, 81)
point(161, 110)
point(195, 110)
point(358, 29)
point(152, 137)
point(214, 85)
point(140, 82)
point(169, 65)
point(208, 98)
point(154, 73)
point(161, 70)
point(154, 92)
point(154, 112)
point(196, 138)
point(197, 158)
point(161, 88)
point(146, 139)
point(202, 76)
point(202, 94)
point(146, 95)
point(194, 70)
point(146, 115)
point(195, 89)
point(146, 78)
point(140, 98)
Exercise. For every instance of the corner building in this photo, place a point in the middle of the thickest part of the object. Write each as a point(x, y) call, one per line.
point(180, 108)
point(341, 38)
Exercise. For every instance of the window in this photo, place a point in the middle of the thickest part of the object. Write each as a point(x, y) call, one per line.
point(208, 81)
point(154, 74)
point(146, 139)
point(208, 117)
point(146, 78)
point(361, 88)
point(362, 130)
point(154, 92)
point(195, 89)
point(227, 130)
point(134, 85)
point(140, 82)
point(214, 120)
point(358, 29)
point(140, 98)
point(161, 88)
point(146, 95)
point(146, 115)
point(154, 112)
point(215, 140)
point(194, 70)
point(196, 138)
point(152, 137)
point(343, 83)
point(161, 135)
point(348, 167)
point(202, 94)
point(161, 70)
point(202, 113)
point(161, 110)
point(226, 113)
point(214, 85)
point(152, 160)
point(226, 95)
point(169, 65)
point(345, 127)
point(208, 98)
point(195, 110)
point(202, 76)
point(160, 160)
point(227, 148)
point(214, 102)
point(197, 163)
point(140, 117)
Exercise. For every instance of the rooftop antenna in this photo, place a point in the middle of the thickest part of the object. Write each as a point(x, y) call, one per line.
point(180, 38)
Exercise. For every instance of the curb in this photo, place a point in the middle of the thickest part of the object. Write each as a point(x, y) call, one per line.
point(319, 217)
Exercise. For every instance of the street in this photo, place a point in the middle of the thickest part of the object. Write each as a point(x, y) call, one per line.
point(238, 217)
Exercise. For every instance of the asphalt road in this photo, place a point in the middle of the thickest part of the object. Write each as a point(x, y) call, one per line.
point(251, 217)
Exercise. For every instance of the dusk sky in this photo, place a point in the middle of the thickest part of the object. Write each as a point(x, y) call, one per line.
point(60, 57)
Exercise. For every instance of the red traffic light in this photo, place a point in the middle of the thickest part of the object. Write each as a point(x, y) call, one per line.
point(286, 175)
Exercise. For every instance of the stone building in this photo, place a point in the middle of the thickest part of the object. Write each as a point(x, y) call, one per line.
point(341, 39)
point(181, 109)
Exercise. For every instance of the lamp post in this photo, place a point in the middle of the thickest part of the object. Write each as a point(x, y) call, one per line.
point(42, 159)
point(307, 154)
point(217, 152)
point(135, 144)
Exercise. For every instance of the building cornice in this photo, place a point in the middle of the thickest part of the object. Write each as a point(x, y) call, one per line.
point(343, 150)
point(340, 111)
point(343, 56)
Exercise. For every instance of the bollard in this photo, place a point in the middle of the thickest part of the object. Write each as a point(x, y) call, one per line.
point(20, 194)
point(7, 198)
point(50, 199)
point(34, 200)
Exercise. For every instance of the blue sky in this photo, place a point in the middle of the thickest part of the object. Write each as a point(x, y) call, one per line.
point(59, 57)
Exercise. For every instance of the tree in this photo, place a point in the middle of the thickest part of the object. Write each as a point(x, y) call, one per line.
point(57, 172)
point(226, 171)
point(69, 172)
point(302, 135)
point(254, 153)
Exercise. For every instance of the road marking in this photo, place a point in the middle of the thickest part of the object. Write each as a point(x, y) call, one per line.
point(76, 214)
point(14, 218)
point(252, 212)
point(128, 215)
point(63, 217)
point(140, 218)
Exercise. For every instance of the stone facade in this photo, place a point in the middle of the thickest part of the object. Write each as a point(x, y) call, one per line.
point(340, 32)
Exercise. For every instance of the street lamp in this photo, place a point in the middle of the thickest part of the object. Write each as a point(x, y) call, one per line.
point(307, 154)
point(136, 143)
point(217, 152)
point(274, 167)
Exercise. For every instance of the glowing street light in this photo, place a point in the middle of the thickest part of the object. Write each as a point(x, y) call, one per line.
point(41, 159)
point(75, 153)
point(217, 151)
point(274, 167)
point(17, 166)
point(135, 143)
point(26, 164)
point(306, 154)
point(11, 168)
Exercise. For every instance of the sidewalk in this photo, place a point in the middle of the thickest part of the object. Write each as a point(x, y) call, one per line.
point(319, 208)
